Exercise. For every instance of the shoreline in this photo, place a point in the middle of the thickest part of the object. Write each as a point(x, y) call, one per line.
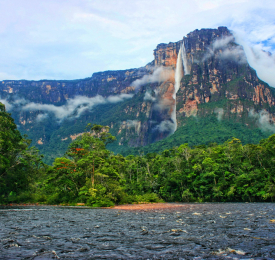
point(127, 207)
point(137, 206)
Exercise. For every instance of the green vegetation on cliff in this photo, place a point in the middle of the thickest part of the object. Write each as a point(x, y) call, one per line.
point(89, 173)
point(202, 131)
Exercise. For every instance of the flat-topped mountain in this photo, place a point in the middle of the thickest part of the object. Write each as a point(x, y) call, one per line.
point(205, 75)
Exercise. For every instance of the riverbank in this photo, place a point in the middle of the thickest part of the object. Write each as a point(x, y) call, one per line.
point(150, 206)
point(135, 206)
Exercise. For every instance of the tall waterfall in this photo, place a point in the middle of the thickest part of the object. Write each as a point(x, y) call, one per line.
point(178, 77)
point(184, 60)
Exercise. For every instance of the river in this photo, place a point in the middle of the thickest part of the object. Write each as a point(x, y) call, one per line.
point(191, 231)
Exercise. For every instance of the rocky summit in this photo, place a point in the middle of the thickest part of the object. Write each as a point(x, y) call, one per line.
point(202, 78)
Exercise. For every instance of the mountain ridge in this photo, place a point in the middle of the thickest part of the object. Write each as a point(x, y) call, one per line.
point(138, 104)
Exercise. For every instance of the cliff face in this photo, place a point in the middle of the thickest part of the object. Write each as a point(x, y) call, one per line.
point(138, 104)
point(220, 73)
point(57, 92)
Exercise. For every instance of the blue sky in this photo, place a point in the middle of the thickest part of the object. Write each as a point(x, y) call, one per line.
point(69, 39)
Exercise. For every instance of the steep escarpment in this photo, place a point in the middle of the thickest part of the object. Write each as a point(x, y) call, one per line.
point(59, 91)
point(220, 75)
point(204, 74)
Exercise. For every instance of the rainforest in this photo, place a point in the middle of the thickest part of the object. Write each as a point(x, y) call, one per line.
point(89, 174)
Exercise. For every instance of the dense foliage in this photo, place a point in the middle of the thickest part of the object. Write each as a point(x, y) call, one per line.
point(202, 131)
point(89, 173)
point(19, 165)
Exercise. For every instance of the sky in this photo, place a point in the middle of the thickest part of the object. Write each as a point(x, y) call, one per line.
point(72, 39)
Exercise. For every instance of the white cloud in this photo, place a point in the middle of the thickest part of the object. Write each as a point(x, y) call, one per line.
point(7, 104)
point(262, 61)
point(236, 53)
point(20, 101)
point(148, 97)
point(226, 50)
point(159, 75)
point(72, 39)
point(73, 108)
point(165, 126)
point(219, 112)
point(132, 123)
point(118, 98)
point(264, 120)
point(223, 42)
point(10, 104)
point(41, 117)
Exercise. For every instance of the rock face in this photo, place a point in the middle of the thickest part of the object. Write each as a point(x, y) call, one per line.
point(220, 81)
point(57, 92)
point(220, 73)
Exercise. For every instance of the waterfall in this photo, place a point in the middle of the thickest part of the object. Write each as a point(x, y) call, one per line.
point(178, 77)
point(184, 60)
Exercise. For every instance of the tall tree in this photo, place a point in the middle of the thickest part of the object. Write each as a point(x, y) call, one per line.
point(18, 163)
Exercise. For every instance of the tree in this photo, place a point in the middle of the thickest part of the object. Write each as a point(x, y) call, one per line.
point(89, 168)
point(19, 164)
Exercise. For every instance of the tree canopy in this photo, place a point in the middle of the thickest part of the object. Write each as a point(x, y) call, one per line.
point(89, 173)
point(19, 163)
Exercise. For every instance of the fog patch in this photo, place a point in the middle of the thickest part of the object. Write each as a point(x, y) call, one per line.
point(219, 112)
point(41, 117)
point(226, 49)
point(163, 104)
point(118, 98)
point(264, 120)
point(132, 123)
point(7, 104)
point(262, 61)
point(165, 126)
point(221, 43)
point(74, 106)
point(160, 74)
point(148, 97)
point(13, 103)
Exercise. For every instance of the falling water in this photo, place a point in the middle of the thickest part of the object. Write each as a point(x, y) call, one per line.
point(184, 60)
point(178, 77)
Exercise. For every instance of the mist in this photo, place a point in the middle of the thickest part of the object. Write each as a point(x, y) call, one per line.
point(165, 126)
point(264, 120)
point(219, 112)
point(228, 50)
point(73, 108)
point(160, 74)
point(262, 61)
point(148, 97)
point(7, 104)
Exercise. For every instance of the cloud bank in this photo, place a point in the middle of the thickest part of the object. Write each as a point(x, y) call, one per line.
point(73, 108)
point(228, 50)
point(149, 97)
point(7, 104)
point(264, 120)
point(165, 126)
point(262, 61)
point(72, 39)
point(160, 74)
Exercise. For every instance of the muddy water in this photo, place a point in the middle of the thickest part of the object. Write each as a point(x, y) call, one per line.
point(193, 231)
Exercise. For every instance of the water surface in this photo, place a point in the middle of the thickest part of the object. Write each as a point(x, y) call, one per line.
point(194, 231)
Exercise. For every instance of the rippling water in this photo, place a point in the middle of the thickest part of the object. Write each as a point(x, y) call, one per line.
point(194, 231)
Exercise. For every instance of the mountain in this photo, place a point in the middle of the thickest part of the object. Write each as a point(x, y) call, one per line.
point(201, 85)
